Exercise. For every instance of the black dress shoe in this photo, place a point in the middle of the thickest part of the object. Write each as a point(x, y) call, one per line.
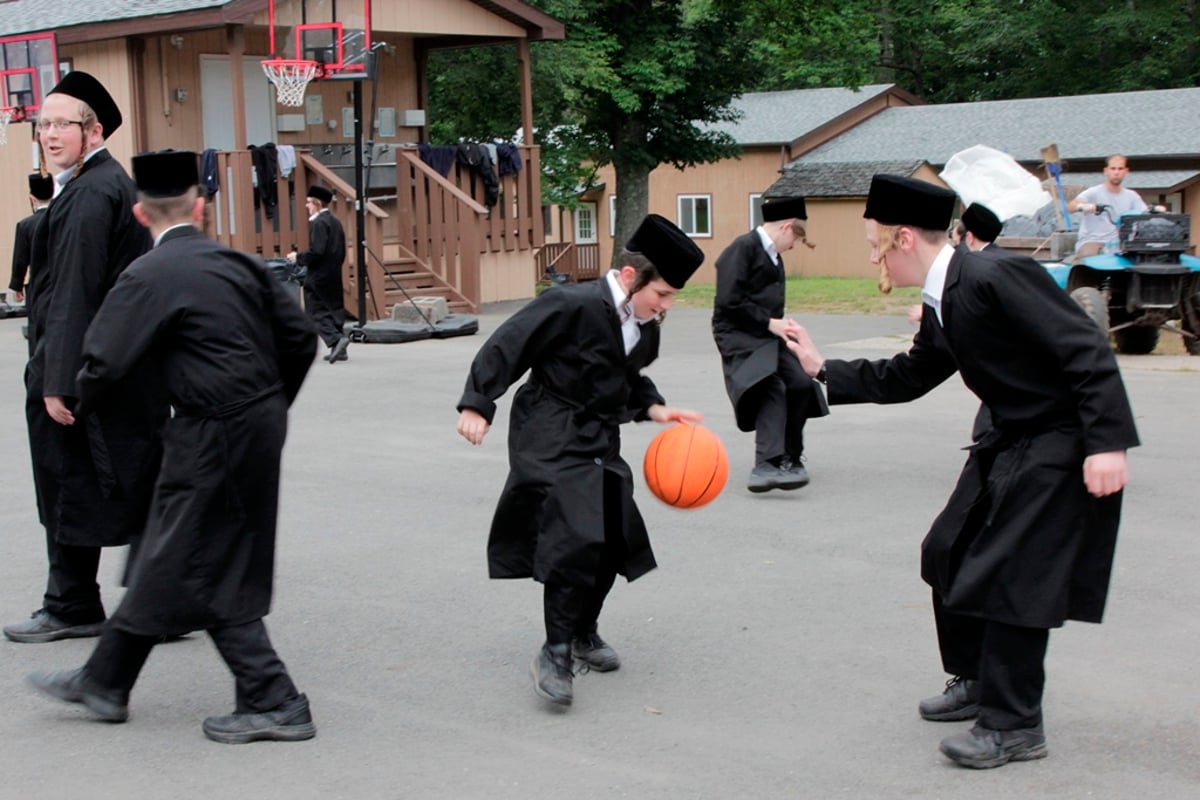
point(959, 701)
point(595, 652)
point(767, 476)
point(338, 351)
point(74, 686)
point(42, 626)
point(289, 722)
point(984, 748)
point(551, 670)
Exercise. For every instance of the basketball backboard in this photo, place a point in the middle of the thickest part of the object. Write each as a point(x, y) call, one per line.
point(28, 70)
point(334, 33)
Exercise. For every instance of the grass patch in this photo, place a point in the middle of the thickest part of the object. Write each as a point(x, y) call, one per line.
point(820, 296)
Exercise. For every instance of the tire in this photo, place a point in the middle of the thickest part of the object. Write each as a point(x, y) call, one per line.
point(1137, 340)
point(1092, 303)
point(1190, 308)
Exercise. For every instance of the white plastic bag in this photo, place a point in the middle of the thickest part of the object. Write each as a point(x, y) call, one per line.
point(981, 174)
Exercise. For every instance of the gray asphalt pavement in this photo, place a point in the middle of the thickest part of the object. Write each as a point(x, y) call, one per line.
point(779, 651)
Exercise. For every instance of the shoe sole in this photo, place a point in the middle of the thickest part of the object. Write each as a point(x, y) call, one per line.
point(108, 712)
point(785, 486)
point(88, 631)
point(597, 666)
point(542, 693)
point(958, 715)
point(1030, 754)
point(279, 733)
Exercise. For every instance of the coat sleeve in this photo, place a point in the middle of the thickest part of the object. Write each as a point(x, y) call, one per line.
point(21, 253)
point(81, 245)
point(734, 295)
point(513, 348)
point(126, 327)
point(295, 338)
point(318, 243)
point(1048, 318)
point(642, 391)
point(898, 379)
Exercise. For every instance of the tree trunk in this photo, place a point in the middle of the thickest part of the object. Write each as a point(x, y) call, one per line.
point(633, 184)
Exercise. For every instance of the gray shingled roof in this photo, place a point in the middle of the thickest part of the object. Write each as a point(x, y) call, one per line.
point(29, 16)
point(1153, 123)
point(850, 179)
point(780, 117)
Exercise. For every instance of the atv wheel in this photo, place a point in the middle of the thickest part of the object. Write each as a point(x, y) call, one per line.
point(1190, 306)
point(1137, 340)
point(1092, 303)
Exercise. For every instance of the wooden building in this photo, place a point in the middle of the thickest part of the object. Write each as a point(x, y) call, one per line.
point(171, 67)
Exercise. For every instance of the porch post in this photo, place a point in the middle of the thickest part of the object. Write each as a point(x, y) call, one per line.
point(235, 41)
point(526, 92)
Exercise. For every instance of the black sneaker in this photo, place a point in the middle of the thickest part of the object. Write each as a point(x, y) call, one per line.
point(984, 748)
point(767, 476)
point(42, 626)
point(959, 701)
point(338, 351)
point(74, 686)
point(595, 652)
point(289, 722)
point(552, 677)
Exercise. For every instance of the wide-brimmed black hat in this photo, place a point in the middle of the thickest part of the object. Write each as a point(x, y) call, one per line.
point(673, 254)
point(982, 222)
point(320, 193)
point(784, 208)
point(897, 200)
point(166, 174)
point(41, 186)
point(83, 86)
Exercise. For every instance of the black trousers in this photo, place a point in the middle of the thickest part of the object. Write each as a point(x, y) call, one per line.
point(261, 680)
point(328, 314)
point(572, 611)
point(785, 401)
point(1007, 660)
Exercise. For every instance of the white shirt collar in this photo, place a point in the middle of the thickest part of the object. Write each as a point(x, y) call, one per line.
point(159, 238)
point(319, 213)
point(767, 244)
point(935, 280)
point(64, 177)
point(631, 327)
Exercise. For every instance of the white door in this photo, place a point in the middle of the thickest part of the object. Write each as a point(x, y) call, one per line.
point(216, 98)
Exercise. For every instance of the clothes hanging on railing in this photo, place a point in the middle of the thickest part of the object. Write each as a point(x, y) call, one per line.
point(209, 177)
point(265, 160)
point(508, 159)
point(476, 158)
point(440, 158)
point(287, 159)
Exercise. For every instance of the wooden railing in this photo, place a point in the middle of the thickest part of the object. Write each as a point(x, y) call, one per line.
point(238, 219)
point(579, 262)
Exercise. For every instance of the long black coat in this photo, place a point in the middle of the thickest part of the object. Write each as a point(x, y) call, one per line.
point(563, 438)
point(232, 348)
point(1020, 540)
point(93, 478)
point(23, 249)
point(323, 259)
point(750, 293)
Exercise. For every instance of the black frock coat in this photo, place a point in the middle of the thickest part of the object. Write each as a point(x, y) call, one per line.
point(93, 478)
point(750, 292)
point(1020, 540)
point(23, 249)
point(564, 442)
point(324, 258)
point(232, 348)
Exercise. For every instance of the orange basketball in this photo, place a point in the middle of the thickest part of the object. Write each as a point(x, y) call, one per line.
point(686, 466)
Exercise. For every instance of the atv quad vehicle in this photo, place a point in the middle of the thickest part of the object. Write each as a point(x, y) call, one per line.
point(1146, 282)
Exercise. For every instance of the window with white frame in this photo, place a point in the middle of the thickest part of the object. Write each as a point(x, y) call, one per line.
point(612, 215)
point(695, 214)
point(585, 224)
point(756, 202)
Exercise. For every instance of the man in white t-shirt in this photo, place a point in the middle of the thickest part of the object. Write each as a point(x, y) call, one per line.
point(1102, 208)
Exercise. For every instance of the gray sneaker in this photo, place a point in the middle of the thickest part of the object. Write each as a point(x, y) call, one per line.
point(42, 626)
point(595, 652)
point(290, 722)
point(766, 476)
point(984, 748)
point(959, 701)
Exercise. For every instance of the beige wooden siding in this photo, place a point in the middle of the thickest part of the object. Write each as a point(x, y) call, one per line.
point(424, 17)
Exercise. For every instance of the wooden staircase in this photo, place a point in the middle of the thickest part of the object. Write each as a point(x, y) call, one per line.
point(402, 269)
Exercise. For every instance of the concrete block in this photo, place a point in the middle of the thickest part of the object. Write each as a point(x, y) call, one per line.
point(433, 309)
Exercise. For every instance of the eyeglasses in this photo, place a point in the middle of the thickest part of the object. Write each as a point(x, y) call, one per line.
point(60, 125)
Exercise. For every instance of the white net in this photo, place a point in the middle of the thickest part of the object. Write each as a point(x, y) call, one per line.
point(291, 79)
point(6, 116)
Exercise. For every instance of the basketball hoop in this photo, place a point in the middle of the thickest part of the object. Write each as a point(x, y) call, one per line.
point(7, 115)
point(290, 78)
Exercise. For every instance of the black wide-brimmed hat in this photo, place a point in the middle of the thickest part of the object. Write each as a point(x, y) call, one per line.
point(673, 254)
point(982, 222)
point(784, 208)
point(83, 86)
point(320, 193)
point(41, 186)
point(166, 174)
point(897, 200)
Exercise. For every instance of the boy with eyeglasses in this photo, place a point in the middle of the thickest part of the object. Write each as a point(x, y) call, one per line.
point(92, 478)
